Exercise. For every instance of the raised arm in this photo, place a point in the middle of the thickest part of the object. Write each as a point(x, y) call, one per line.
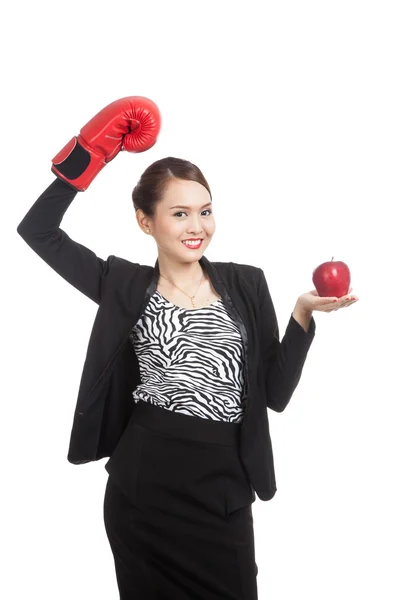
point(40, 228)
point(132, 124)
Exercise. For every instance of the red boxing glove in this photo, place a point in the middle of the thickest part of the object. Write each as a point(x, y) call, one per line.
point(132, 123)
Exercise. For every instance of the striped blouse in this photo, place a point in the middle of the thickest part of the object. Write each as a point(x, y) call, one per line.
point(190, 360)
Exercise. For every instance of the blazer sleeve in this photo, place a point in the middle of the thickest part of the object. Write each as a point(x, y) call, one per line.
point(40, 228)
point(282, 361)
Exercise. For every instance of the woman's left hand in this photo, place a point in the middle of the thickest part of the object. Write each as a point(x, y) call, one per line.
point(312, 301)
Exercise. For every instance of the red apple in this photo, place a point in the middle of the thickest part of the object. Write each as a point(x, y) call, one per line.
point(332, 279)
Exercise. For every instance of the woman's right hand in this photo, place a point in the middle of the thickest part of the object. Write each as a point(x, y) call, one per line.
point(132, 123)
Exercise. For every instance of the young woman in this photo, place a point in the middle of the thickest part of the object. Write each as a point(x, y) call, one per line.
point(183, 361)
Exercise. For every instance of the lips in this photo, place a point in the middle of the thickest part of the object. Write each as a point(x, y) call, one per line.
point(193, 246)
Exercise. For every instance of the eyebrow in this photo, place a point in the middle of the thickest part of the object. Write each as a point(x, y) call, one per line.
point(181, 206)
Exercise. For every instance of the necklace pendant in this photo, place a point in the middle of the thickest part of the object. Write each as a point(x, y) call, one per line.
point(192, 299)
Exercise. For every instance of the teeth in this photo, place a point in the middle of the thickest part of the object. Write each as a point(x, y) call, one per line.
point(192, 243)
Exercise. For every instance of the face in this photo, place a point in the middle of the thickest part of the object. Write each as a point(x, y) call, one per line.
point(184, 212)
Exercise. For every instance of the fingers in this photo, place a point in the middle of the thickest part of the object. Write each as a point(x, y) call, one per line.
point(343, 304)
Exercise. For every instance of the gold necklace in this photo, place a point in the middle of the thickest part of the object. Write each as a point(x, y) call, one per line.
point(191, 297)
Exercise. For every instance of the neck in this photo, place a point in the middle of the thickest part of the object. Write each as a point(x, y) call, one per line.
point(183, 274)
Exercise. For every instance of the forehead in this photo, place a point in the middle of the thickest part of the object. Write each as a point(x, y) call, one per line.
point(183, 193)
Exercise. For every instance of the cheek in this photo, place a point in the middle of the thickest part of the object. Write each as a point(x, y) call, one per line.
point(171, 227)
point(211, 226)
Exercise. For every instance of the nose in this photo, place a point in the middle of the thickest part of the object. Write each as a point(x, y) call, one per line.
point(195, 228)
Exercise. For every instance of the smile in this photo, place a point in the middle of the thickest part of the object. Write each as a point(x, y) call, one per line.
point(193, 245)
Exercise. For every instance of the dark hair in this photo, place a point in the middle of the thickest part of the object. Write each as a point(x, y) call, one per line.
point(153, 182)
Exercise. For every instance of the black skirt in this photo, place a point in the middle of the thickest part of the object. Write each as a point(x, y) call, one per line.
point(178, 509)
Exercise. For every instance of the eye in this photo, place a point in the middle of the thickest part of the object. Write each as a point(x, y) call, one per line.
point(183, 212)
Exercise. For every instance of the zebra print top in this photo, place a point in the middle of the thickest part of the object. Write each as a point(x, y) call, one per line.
point(191, 360)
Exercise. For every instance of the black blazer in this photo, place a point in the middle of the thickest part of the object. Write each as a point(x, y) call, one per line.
point(122, 290)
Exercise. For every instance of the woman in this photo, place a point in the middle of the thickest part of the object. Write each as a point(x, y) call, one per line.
point(183, 360)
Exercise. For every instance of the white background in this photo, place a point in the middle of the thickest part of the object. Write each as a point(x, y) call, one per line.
point(291, 110)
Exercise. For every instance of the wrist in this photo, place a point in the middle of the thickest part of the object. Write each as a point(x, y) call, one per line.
point(301, 309)
point(302, 316)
